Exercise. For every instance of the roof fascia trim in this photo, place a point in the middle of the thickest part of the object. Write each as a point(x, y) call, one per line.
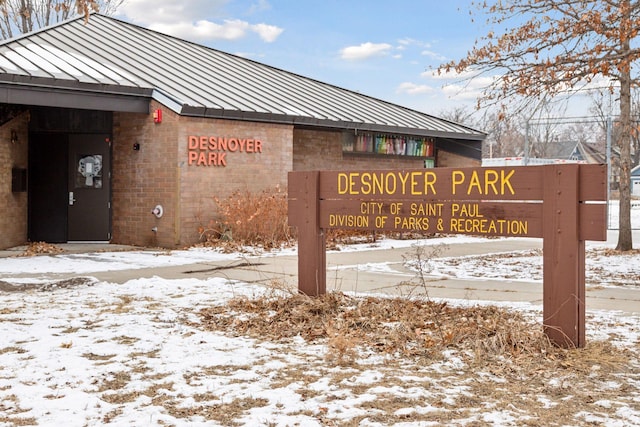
point(192, 111)
point(55, 97)
point(167, 101)
point(52, 83)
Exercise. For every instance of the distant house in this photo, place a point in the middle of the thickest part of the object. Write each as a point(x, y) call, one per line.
point(587, 153)
point(562, 153)
point(568, 152)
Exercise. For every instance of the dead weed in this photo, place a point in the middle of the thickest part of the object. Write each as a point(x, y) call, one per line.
point(485, 336)
point(506, 363)
point(224, 413)
point(46, 287)
point(114, 381)
point(394, 326)
point(39, 248)
point(12, 349)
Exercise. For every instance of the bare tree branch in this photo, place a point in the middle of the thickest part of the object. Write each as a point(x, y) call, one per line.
point(24, 16)
point(549, 47)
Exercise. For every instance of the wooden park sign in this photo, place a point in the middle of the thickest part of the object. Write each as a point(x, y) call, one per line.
point(563, 204)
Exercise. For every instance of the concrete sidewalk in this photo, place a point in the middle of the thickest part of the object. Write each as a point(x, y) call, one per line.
point(347, 271)
point(344, 269)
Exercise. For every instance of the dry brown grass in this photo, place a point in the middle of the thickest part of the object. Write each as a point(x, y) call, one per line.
point(506, 363)
point(226, 413)
point(394, 326)
point(261, 219)
point(10, 412)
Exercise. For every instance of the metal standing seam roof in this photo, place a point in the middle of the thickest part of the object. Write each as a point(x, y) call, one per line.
point(109, 56)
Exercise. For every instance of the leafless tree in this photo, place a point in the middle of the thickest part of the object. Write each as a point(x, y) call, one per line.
point(23, 16)
point(505, 136)
point(542, 48)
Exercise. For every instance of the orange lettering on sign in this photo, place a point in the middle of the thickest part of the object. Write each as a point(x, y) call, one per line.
point(193, 156)
point(212, 150)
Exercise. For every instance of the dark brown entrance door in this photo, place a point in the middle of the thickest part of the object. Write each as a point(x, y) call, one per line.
point(48, 187)
point(89, 210)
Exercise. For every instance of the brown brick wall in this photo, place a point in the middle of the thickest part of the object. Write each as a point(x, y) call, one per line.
point(244, 171)
point(160, 173)
point(145, 178)
point(13, 206)
point(450, 160)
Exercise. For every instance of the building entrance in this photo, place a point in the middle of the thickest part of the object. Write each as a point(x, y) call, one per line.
point(69, 175)
point(69, 187)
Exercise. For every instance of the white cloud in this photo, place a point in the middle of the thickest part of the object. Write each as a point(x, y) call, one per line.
point(184, 20)
point(598, 83)
point(268, 33)
point(406, 41)
point(461, 92)
point(433, 55)
point(413, 89)
point(470, 84)
point(230, 30)
point(451, 75)
point(259, 6)
point(147, 12)
point(365, 51)
point(461, 86)
point(203, 30)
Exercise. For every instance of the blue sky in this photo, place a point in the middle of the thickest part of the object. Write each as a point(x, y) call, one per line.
point(380, 48)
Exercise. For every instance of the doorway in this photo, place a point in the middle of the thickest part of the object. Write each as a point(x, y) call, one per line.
point(69, 187)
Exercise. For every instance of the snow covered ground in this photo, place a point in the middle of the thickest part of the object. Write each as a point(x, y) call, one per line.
point(89, 353)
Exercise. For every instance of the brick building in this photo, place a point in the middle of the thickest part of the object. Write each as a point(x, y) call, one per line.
point(100, 123)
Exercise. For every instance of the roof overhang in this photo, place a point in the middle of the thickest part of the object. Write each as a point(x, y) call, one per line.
point(52, 93)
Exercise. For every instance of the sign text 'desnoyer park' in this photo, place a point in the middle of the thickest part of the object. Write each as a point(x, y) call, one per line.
point(563, 204)
point(424, 183)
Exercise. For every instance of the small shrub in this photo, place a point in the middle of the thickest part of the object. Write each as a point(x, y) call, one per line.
point(251, 219)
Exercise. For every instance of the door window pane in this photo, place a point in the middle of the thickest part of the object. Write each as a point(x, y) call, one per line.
point(89, 171)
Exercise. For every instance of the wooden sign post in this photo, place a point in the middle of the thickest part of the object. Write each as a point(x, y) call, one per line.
point(563, 204)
